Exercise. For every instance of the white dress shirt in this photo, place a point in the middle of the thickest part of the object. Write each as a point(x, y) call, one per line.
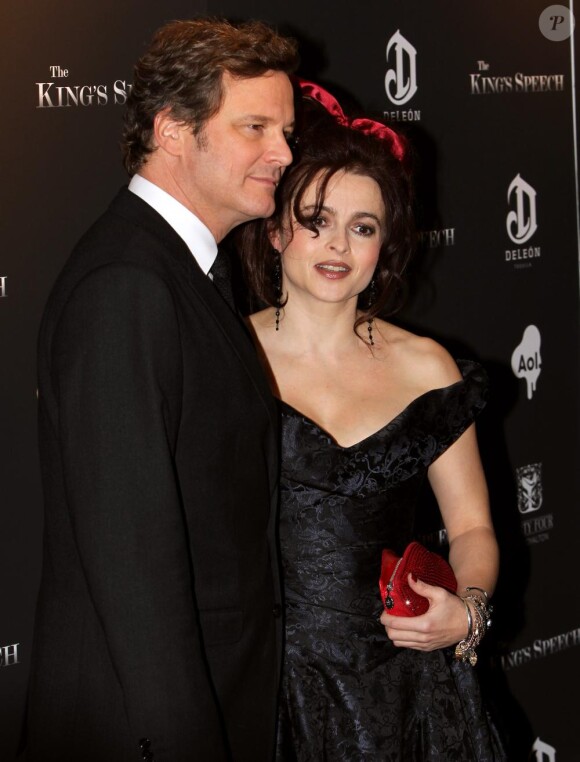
point(196, 235)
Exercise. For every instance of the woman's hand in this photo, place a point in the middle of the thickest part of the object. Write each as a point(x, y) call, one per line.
point(444, 624)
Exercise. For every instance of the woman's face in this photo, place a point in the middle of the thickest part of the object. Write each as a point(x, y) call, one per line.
point(336, 265)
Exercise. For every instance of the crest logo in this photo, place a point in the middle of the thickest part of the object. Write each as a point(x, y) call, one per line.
point(521, 222)
point(530, 494)
point(543, 752)
point(401, 80)
point(526, 359)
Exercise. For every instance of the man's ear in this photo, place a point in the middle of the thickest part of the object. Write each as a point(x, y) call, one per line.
point(168, 132)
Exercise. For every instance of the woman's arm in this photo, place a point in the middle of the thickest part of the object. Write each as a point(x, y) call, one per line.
point(459, 485)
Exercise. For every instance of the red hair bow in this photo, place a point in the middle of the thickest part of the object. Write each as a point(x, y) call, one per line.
point(368, 126)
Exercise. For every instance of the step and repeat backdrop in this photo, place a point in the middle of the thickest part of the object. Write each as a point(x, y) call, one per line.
point(486, 94)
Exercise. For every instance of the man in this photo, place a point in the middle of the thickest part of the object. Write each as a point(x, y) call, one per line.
point(158, 625)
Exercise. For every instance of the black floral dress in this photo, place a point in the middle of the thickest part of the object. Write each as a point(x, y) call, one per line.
point(348, 694)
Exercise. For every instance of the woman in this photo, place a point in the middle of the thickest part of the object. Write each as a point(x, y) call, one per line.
point(368, 411)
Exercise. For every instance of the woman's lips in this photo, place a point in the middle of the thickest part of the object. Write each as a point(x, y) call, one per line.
point(333, 270)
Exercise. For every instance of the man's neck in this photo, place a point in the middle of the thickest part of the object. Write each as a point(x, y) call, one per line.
point(163, 178)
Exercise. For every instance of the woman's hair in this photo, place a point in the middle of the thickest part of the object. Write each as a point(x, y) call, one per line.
point(324, 149)
point(183, 68)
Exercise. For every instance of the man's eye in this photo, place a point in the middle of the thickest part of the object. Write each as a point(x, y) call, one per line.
point(292, 141)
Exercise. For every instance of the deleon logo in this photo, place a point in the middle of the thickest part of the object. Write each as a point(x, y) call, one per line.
point(521, 222)
point(543, 752)
point(401, 79)
point(529, 487)
point(526, 359)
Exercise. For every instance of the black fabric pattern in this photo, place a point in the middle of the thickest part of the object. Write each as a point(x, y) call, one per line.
point(348, 693)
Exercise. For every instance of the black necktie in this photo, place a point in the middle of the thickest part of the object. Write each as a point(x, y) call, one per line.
point(221, 273)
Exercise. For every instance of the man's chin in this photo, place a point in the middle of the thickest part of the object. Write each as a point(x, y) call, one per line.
point(262, 209)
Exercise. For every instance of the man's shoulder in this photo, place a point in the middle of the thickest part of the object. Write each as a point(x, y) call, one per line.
point(128, 231)
point(126, 219)
point(126, 237)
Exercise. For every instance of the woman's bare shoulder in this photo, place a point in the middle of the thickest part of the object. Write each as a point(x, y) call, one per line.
point(420, 357)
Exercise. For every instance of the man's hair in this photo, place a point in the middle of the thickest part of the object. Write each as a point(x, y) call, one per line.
point(326, 148)
point(182, 69)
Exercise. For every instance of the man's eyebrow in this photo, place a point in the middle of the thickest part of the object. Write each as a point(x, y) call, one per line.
point(267, 119)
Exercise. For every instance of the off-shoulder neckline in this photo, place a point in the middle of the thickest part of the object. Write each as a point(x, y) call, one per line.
point(467, 367)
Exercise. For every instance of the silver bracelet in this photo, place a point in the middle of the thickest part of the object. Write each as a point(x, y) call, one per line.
point(479, 589)
point(479, 620)
point(469, 620)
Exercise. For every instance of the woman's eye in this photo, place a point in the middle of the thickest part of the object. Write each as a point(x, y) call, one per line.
point(311, 221)
point(364, 230)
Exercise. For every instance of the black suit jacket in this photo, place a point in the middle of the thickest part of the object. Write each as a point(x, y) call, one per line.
point(159, 608)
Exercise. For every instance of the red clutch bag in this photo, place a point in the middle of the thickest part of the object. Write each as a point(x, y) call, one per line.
point(396, 594)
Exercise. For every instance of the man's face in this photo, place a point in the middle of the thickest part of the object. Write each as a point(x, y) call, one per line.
point(229, 171)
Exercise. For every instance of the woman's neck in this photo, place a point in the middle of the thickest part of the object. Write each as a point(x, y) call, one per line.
point(318, 328)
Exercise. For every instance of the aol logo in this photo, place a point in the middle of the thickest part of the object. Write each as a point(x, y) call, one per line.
point(529, 487)
point(526, 359)
point(521, 222)
point(543, 752)
point(401, 80)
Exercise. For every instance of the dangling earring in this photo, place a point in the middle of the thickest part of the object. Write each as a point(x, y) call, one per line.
point(277, 282)
point(372, 298)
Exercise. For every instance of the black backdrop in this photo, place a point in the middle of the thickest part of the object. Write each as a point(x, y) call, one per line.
point(488, 100)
